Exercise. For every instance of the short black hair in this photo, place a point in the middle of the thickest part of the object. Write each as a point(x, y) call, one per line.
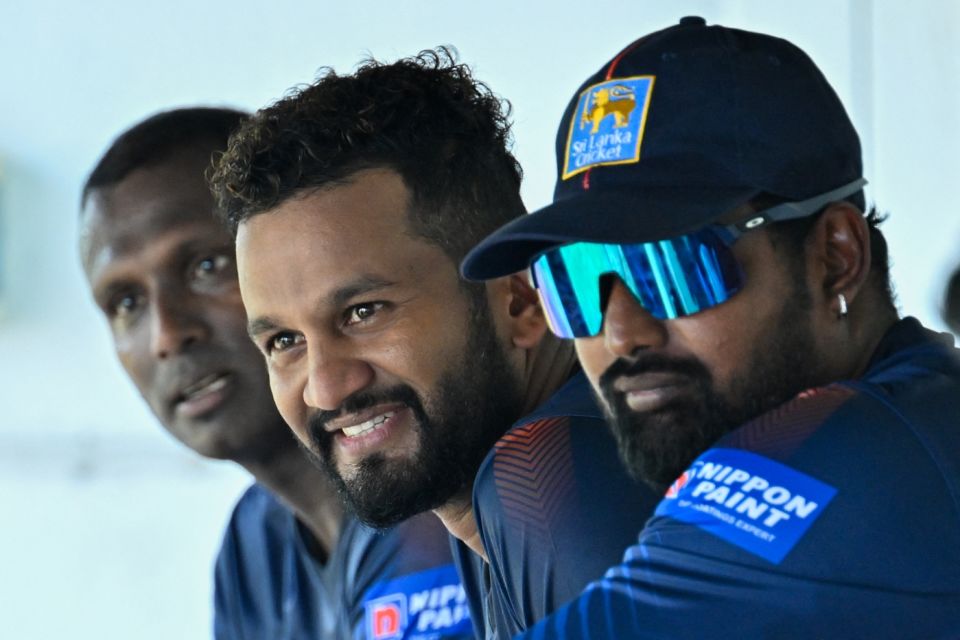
point(153, 140)
point(445, 133)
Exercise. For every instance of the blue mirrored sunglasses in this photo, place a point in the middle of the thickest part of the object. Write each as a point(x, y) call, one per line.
point(670, 278)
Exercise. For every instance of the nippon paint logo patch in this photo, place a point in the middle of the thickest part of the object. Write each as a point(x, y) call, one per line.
point(753, 502)
point(420, 606)
point(387, 617)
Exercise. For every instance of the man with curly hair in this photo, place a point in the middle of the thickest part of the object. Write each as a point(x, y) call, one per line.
point(353, 201)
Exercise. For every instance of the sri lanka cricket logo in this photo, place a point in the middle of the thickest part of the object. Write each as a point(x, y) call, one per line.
point(607, 124)
point(618, 101)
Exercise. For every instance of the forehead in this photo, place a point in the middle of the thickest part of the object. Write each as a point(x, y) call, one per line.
point(335, 236)
point(152, 206)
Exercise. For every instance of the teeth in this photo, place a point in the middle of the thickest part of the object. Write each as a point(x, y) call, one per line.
point(209, 384)
point(369, 425)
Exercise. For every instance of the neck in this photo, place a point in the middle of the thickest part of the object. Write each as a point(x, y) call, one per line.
point(457, 516)
point(305, 489)
point(548, 367)
point(868, 324)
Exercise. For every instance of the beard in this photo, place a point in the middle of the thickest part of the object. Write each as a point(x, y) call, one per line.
point(474, 403)
point(657, 446)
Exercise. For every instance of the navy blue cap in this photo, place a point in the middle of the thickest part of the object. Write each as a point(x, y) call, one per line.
point(677, 130)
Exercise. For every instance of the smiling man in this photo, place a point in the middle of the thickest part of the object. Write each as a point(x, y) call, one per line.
point(708, 251)
point(353, 201)
point(161, 268)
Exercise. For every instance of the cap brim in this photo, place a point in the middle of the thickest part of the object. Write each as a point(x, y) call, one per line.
point(639, 215)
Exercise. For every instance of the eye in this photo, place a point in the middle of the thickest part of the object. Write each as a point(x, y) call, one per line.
point(211, 265)
point(362, 312)
point(283, 341)
point(123, 305)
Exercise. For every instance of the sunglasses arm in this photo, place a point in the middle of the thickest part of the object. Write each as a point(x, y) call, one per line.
point(789, 211)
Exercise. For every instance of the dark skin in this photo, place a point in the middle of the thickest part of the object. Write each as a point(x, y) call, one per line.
point(162, 271)
point(734, 338)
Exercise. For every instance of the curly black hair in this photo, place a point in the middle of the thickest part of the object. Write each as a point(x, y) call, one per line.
point(426, 117)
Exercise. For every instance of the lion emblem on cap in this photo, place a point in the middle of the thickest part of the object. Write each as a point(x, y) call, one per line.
point(618, 101)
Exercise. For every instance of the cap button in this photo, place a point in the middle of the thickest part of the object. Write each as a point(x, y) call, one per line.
point(692, 21)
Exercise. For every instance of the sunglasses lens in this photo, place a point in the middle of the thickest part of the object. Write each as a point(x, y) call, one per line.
point(670, 278)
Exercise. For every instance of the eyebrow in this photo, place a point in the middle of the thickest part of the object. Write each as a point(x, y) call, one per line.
point(260, 325)
point(122, 253)
point(362, 285)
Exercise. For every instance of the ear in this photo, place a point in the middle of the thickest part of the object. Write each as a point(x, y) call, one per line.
point(526, 322)
point(842, 253)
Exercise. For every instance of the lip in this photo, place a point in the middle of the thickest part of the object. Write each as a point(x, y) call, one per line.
point(387, 421)
point(353, 419)
point(203, 395)
point(650, 391)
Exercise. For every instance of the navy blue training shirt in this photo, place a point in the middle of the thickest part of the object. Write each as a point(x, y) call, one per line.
point(555, 508)
point(836, 515)
point(399, 584)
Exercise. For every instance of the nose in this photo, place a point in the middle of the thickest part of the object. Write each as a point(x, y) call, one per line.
point(174, 326)
point(333, 377)
point(627, 326)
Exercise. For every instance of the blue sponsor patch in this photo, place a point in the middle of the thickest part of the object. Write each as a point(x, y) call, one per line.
point(753, 502)
point(608, 124)
point(420, 606)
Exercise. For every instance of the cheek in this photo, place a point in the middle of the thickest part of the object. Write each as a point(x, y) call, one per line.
point(417, 353)
point(724, 338)
point(288, 396)
point(135, 360)
point(594, 358)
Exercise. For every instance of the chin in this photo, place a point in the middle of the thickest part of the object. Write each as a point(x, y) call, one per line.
point(657, 448)
point(383, 492)
point(225, 439)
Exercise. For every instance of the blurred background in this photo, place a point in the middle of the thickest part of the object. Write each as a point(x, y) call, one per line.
point(109, 528)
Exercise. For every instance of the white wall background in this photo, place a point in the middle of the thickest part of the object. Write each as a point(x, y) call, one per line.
point(108, 528)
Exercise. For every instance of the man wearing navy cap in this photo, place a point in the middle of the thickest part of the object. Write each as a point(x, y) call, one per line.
point(708, 251)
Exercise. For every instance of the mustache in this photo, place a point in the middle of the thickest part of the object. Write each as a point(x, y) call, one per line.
point(651, 363)
point(360, 401)
point(175, 374)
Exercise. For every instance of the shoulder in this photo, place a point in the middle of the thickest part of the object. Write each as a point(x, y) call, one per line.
point(794, 484)
point(261, 535)
point(257, 501)
point(258, 542)
point(259, 515)
point(409, 583)
point(545, 467)
point(416, 544)
point(550, 483)
point(536, 455)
